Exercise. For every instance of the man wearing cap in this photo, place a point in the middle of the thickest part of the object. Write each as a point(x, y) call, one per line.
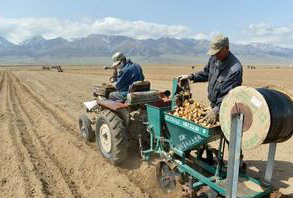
point(223, 73)
point(128, 73)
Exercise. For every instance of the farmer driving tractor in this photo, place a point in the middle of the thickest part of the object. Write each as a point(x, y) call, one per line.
point(125, 73)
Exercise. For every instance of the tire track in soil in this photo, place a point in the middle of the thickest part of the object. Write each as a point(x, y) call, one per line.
point(64, 119)
point(56, 111)
point(1, 74)
point(51, 89)
point(40, 165)
point(1, 82)
point(7, 151)
point(39, 168)
point(56, 92)
point(29, 189)
point(60, 115)
point(68, 122)
point(45, 177)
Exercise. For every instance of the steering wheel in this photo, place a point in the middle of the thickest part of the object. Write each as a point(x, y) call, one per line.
point(111, 79)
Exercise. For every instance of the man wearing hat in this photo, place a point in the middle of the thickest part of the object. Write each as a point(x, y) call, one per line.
point(128, 73)
point(223, 73)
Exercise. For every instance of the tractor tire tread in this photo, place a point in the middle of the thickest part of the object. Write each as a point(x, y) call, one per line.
point(119, 136)
point(90, 135)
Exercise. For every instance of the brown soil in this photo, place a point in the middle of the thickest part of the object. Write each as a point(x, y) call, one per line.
point(43, 155)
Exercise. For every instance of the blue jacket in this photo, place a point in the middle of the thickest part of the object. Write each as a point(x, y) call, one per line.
point(222, 77)
point(129, 73)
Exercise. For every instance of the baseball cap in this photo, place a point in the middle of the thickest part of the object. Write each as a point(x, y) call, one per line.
point(117, 58)
point(217, 43)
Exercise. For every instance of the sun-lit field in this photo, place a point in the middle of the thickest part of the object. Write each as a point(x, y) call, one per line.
point(42, 153)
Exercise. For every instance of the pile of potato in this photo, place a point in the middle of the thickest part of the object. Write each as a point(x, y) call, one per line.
point(193, 111)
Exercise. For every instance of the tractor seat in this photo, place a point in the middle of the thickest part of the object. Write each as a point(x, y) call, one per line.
point(142, 97)
point(140, 86)
point(140, 93)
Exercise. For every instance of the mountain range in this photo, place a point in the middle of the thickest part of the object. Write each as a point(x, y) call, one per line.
point(98, 48)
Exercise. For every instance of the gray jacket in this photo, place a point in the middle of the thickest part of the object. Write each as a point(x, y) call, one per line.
point(222, 77)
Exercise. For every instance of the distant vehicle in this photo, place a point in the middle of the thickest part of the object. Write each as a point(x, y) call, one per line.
point(251, 67)
point(57, 67)
point(46, 68)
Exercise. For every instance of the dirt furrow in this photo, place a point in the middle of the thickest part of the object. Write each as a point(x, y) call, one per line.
point(1, 81)
point(47, 178)
point(140, 177)
point(66, 145)
point(46, 167)
point(48, 85)
point(68, 87)
point(62, 119)
point(57, 134)
point(10, 167)
point(24, 141)
point(19, 156)
point(58, 113)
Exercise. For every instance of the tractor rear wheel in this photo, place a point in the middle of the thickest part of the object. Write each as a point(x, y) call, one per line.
point(86, 128)
point(111, 137)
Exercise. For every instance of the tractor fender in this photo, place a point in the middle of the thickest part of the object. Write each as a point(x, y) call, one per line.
point(121, 109)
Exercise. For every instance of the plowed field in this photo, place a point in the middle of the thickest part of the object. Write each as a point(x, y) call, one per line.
point(42, 153)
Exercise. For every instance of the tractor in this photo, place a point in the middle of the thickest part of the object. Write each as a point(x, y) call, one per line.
point(181, 145)
point(117, 124)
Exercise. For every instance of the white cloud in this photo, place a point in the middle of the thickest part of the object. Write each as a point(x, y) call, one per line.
point(200, 36)
point(266, 33)
point(19, 29)
point(204, 36)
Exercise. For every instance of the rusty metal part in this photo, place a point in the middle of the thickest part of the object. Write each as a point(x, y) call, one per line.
point(187, 191)
point(139, 86)
point(206, 192)
point(103, 90)
point(183, 92)
point(113, 105)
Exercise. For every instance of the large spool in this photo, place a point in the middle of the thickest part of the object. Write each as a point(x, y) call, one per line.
point(268, 115)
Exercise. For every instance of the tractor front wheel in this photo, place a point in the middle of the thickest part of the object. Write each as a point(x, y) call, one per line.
point(86, 128)
point(111, 136)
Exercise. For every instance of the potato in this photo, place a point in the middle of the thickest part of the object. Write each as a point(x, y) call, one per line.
point(193, 111)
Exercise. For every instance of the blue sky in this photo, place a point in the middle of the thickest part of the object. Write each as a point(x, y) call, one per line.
point(243, 21)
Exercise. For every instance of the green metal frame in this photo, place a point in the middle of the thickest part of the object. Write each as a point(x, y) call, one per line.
point(174, 92)
point(158, 118)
